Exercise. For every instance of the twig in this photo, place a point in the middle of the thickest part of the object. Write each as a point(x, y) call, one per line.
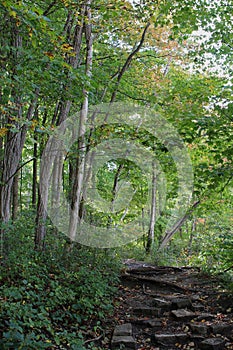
point(94, 339)
point(228, 269)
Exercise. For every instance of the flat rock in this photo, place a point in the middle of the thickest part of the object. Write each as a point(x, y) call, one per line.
point(199, 328)
point(197, 338)
point(153, 322)
point(123, 329)
point(212, 344)
point(183, 315)
point(204, 316)
point(163, 304)
point(170, 338)
point(197, 307)
point(147, 311)
point(181, 303)
point(222, 328)
point(119, 341)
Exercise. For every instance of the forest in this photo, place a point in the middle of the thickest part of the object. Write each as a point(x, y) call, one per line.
point(116, 142)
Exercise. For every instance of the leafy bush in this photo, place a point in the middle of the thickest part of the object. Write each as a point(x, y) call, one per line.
point(50, 300)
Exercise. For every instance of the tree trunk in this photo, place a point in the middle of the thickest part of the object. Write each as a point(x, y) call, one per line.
point(40, 232)
point(80, 166)
point(151, 231)
point(15, 197)
point(169, 234)
point(34, 172)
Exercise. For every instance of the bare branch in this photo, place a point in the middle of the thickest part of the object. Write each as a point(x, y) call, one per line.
point(133, 98)
point(176, 227)
point(129, 60)
point(18, 169)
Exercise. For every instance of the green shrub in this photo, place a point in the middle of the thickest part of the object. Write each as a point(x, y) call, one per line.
point(50, 299)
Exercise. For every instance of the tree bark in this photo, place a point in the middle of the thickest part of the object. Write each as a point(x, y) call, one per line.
point(34, 172)
point(80, 165)
point(15, 196)
point(151, 231)
point(40, 232)
point(168, 235)
point(12, 155)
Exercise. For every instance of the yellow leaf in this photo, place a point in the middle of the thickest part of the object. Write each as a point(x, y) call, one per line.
point(13, 14)
point(3, 132)
point(66, 47)
point(49, 54)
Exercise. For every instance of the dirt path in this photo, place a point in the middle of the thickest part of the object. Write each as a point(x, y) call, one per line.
point(171, 308)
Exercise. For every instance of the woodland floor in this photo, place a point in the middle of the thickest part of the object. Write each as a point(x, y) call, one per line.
point(169, 308)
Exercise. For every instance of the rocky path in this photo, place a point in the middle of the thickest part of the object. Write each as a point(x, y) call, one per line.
point(171, 308)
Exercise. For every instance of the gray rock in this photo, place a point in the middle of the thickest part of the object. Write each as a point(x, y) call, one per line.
point(199, 328)
point(204, 316)
point(147, 311)
point(170, 338)
point(212, 344)
point(181, 303)
point(123, 329)
point(197, 338)
point(197, 307)
point(183, 315)
point(222, 328)
point(163, 304)
point(119, 341)
point(152, 322)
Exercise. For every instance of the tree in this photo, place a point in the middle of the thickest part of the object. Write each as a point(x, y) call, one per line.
point(136, 48)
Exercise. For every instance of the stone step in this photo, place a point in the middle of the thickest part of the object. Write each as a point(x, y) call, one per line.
point(222, 328)
point(199, 328)
point(181, 303)
point(123, 329)
point(123, 341)
point(212, 344)
point(122, 337)
point(166, 320)
point(148, 311)
point(164, 305)
point(183, 314)
point(170, 339)
point(149, 322)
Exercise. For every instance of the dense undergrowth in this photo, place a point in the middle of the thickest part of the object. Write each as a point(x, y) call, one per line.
point(59, 300)
point(53, 299)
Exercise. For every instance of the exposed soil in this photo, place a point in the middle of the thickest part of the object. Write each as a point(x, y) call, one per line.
point(170, 308)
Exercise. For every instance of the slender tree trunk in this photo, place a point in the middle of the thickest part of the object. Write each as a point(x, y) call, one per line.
point(168, 235)
point(119, 75)
point(193, 229)
point(40, 232)
point(15, 197)
point(14, 142)
point(40, 224)
point(151, 231)
point(80, 167)
point(34, 171)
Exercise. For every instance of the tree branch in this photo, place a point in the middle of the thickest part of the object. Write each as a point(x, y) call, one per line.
point(128, 61)
point(46, 12)
point(227, 183)
point(28, 161)
point(133, 98)
point(169, 234)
